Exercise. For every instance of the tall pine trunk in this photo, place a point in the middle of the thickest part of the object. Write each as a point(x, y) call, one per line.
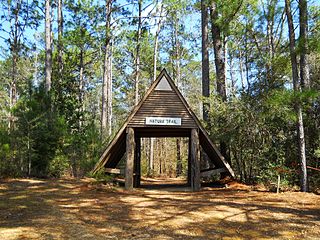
point(305, 78)
point(205, 73)
point(219, 61)
point(177, 77)
point(156, 41)
point(81, 87)
point(48, 46)
point(155, 57)
point(106, 113)
point(298, 107)
point(205, 59)
point(303, 44)
point(218, 52)
point(270, 15)
point(179, 160)
point(137, 63)
point(60, 35)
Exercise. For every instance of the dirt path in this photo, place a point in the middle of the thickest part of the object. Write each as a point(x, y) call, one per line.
point(73, 209)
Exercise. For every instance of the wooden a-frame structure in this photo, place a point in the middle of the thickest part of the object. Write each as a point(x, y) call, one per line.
point(162, 112)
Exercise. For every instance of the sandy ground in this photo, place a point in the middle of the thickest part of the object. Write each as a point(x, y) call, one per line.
point(80, 209)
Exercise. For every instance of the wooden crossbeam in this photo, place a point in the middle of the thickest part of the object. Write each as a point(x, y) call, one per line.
point(114, 170)
point(208, 172)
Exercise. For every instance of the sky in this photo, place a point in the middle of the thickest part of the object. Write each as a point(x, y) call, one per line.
point(34, 36)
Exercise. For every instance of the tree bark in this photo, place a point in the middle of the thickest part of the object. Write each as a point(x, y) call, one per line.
point(130, 149)
point(81, 87)
point(218, 52)
point(137, 71)
point(60, 35)
point(155, 58)
point(156, 40)
point(270, 28)
point(179, 160)
point(48, 46)
point(106, 112)
point(303, 42)
point(298, 107)
point(219, 61)
point(151, 157)
point(177, 53)
point(195, 160)
point(205, 59)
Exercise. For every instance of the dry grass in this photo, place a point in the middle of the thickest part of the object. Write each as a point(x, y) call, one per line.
point(78, 209)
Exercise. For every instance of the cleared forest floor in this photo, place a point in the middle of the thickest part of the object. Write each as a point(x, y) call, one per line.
point(78, 209)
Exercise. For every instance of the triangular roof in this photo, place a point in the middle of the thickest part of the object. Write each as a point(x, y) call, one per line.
point(116, 148)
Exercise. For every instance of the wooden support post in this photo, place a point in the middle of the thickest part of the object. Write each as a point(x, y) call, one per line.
point(137, 164)
point(130, 147)
point(189, 163)
point(195, 160)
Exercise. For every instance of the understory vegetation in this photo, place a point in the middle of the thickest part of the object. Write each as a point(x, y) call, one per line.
point(68, 83)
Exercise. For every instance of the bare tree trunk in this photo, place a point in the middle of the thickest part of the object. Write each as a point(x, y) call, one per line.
point(60, 34)
point(137, 72)
point(270, 28)
point(48, 41)
point(241, 69)
point(219, 63)
point(246, 60)
point(298, 107)
point(156, 40)
point(305, 83)
point(151, 156)
point(109, 100)
point(179, 160)
point(218, 52)
point(177, 53)
point(29, 151)
point(177, 78)
point(13, 84)
point(81, 86)
point(107, 77)
point(205, 72)
point(155, 58)
point(205, 59)
point(15, 53)
point(232, 78)
point(303, 42)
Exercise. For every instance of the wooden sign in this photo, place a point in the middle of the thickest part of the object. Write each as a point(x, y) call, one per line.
point(167, 121)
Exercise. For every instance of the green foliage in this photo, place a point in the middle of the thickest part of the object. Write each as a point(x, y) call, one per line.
point(57, 133)
point(258, 135)
point(38, 132)
point(58, 165)
point(101, 176)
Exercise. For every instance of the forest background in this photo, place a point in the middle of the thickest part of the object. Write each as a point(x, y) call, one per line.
point(72, 70)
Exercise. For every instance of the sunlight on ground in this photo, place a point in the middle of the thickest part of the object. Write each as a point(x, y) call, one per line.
point(18, 197)
point(18, 233)
point(65, 209)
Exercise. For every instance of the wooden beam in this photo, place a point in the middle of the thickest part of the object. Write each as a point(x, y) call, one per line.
point(130, 147)
point(223, 169)
point(209, 172)
point(195, 160)
point(189, 163)
point(137, 164)
point(115, 170)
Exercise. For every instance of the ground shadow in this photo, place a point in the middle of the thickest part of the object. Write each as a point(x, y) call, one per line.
point(82, 209)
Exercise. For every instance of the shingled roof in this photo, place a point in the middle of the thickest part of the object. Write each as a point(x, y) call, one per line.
point(165, 96)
